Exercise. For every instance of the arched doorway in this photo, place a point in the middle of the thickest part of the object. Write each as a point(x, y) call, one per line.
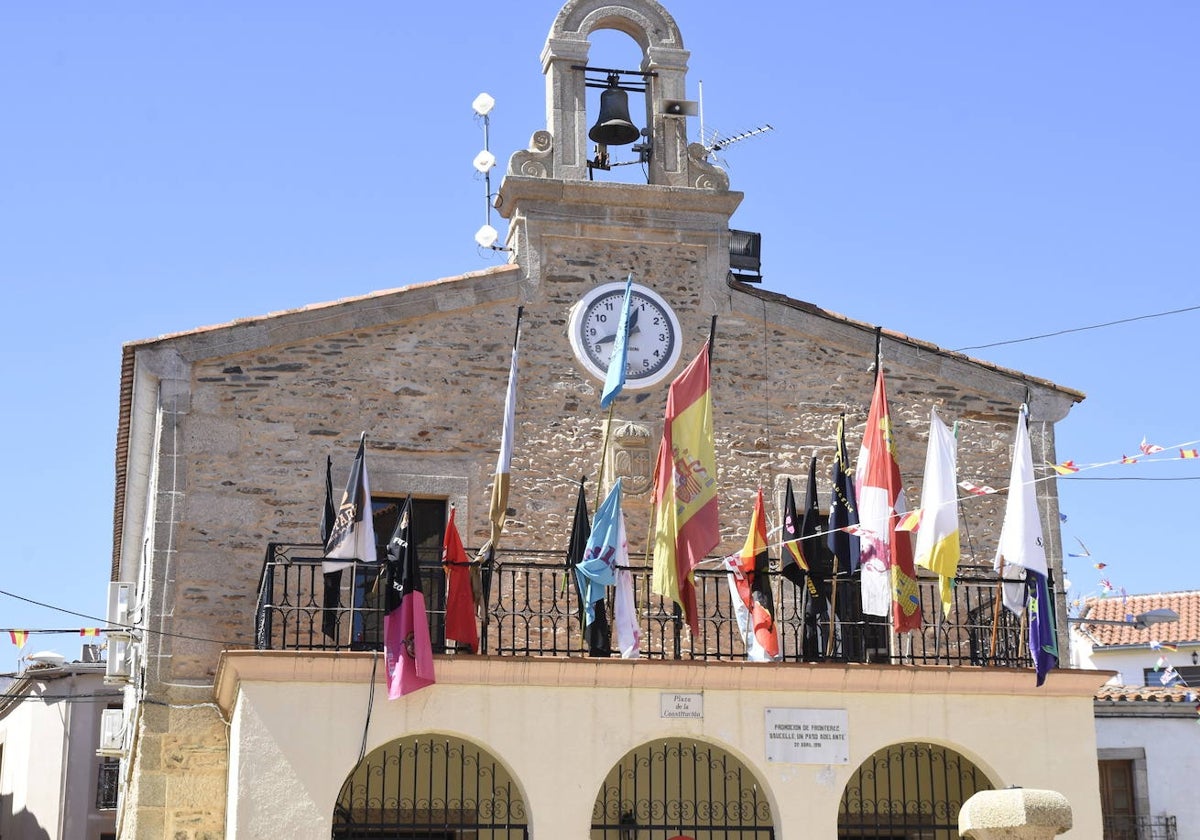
point(909, 791)
point(432, 787)
point(681, 788)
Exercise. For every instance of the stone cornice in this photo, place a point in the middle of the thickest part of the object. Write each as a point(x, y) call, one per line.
point(613, 201)
point(237, 667)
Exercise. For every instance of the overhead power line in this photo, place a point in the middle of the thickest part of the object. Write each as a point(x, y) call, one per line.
point(1078, 329)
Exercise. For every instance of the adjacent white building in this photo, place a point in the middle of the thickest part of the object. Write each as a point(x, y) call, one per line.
point(1147, 723)
point(53, 783)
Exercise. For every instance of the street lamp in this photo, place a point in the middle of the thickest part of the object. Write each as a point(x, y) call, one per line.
point(1141, 621)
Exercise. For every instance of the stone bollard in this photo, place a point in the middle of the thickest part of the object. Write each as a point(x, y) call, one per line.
point(1014, 814)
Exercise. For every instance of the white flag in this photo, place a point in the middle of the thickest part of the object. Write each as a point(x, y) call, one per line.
point(1021, 546)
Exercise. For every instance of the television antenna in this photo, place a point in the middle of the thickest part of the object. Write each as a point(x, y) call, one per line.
point(714, 141)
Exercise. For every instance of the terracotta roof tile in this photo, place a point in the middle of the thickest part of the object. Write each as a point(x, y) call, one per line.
point(1186, 630)
point(1148, 694)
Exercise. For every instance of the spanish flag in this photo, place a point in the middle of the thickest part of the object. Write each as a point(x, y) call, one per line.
point(90, 631)
point(19, 637)
point(685, 488)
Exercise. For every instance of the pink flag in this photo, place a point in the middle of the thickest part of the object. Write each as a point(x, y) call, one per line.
point(407, 649)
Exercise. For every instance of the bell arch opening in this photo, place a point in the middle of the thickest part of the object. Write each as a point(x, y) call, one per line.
point(432, 787)
point(908, 791)
point(681, 788)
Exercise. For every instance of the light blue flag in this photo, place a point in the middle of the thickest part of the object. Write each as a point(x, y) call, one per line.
point(606, 550)
point(614, 381)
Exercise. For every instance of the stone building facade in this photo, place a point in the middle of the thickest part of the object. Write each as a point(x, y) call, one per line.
point(224, 433)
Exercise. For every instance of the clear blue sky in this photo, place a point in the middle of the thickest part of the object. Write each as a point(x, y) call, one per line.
point(963, 173)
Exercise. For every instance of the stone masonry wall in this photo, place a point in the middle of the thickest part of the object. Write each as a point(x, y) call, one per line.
point(424, 377)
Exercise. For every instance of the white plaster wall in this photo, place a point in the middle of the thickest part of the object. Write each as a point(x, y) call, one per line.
point(293, 743)
point(1172, 748)
point(1130, 662)
point(34, 734)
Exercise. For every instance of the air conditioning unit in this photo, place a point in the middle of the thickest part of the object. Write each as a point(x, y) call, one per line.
point(117, 669)
point(120, 605)
point(112, 732)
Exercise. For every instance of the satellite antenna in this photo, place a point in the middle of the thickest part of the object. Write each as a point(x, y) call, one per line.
point(487, 235)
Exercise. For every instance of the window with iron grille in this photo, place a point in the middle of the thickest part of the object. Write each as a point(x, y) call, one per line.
point(433, 787)
point(680, 787)
point(107, 780)
point(907, 791)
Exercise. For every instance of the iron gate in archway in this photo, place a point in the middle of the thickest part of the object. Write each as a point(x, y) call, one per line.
point(909, 791)
point(431, 787)
point(681, 787)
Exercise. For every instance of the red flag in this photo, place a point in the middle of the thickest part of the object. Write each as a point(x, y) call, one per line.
point(460, 600)
point(685, 488)
point(888, 573)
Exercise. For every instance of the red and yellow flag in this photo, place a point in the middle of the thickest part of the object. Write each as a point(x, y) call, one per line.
point(888, 573)
point(19, 637)
point(685, 488)
point(753, 586)
point(90, 631)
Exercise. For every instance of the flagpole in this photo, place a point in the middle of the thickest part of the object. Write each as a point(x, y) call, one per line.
point(833, 586)
point(489, 559)
point(604, 450)
point(895, 642)
point(614, 380)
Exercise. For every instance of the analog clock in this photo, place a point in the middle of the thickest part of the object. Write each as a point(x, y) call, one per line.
point(653, 347)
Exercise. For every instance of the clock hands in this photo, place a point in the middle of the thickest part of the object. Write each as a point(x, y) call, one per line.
point(633, 327)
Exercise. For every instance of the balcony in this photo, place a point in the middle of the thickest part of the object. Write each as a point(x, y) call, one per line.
point(1139, 828)
point(533, 612)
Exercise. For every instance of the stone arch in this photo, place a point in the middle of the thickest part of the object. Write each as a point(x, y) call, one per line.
point(430, 785)
point(910, 788)
point(646, 21)
point(682, 787)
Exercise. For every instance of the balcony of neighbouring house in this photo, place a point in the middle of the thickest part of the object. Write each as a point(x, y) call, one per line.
point(533, 611)
point(1139, 828)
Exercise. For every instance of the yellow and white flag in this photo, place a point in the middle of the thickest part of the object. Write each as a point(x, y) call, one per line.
point(937, 546)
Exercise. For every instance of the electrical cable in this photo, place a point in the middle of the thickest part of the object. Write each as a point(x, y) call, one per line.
point(1077, 329)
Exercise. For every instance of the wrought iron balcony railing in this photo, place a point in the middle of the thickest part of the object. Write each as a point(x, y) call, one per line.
point(533, 611)
point(1139, 828)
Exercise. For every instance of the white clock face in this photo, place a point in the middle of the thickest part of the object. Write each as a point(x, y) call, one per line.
point(653, 347)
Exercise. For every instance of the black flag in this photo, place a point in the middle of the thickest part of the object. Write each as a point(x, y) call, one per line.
point(597, 635)
point(820, 569)
point(333, 580)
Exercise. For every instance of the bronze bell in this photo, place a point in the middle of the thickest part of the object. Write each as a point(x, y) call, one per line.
point(614, 128)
